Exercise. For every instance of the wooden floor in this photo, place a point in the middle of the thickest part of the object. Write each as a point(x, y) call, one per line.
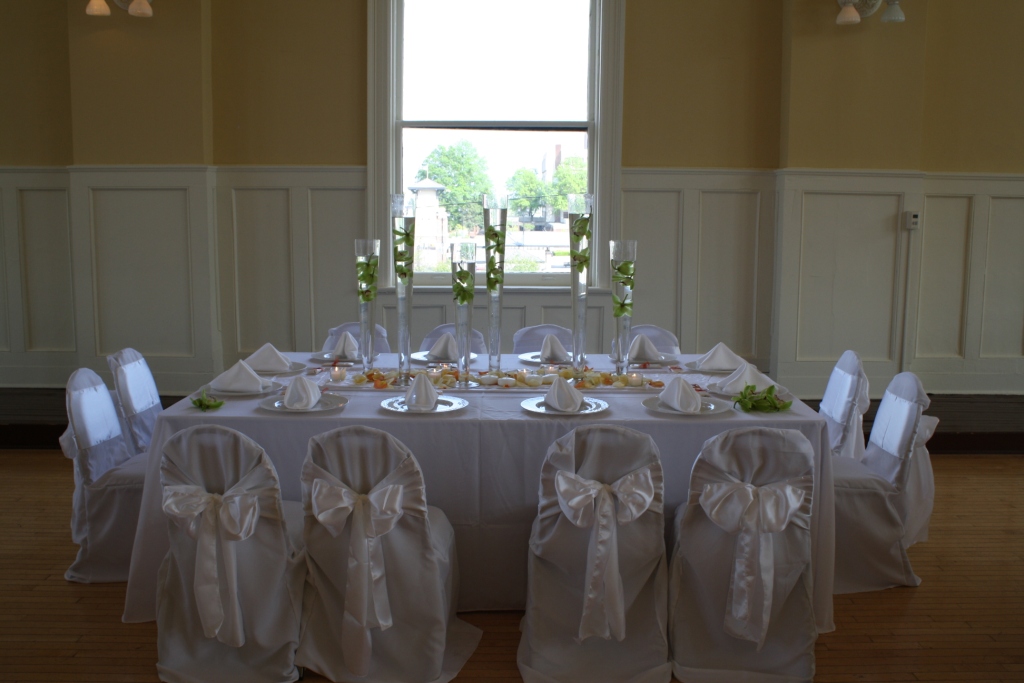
point(964, 623)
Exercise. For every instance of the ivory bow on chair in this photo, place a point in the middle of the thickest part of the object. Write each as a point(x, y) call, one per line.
point(231, 517)
point(588, 503)
point(754, 512)
point(372, 515)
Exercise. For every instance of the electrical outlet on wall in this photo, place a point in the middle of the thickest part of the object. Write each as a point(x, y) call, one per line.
point(911, 220)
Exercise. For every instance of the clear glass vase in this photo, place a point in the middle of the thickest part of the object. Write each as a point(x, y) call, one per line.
point(623, 258)
point(403, 240)
point(463, 257)
point(367, 260)
point(495, 223)
point(580, 234)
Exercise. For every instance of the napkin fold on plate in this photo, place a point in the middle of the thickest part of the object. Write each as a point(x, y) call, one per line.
point(744, 375)
point(563, 397)
point(680, 396)
point(643, 350)
point(552, 351)
point(444, 349)
point(302, 394)
point(268, 359)
point(422, 396)
point(240, 378)
point(719, 359)
point(347, 347)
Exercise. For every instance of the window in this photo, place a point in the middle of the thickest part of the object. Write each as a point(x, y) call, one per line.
point(499, 98)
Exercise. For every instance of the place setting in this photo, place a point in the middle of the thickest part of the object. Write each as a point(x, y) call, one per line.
point(240, 381)
point(742, 377)
point(267, 360)
point(345, 352)
point(444, 350)
point(304, 395)
point(423, 398)
point(680, 398)
point(643, 353)
point(720, 360)
point(564, 399)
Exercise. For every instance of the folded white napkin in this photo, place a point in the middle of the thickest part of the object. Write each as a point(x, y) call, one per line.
point(680, 395)
point(347, 347)
point(240, 378)
point(422, 396)
point(744, 375)
point(563, 397)
point(444, 349)
point(643, 350)
point(268, 359)
point(302, 394)
point(719, 359)
point(552, 351)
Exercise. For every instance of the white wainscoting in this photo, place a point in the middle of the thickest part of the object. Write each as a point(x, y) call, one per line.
point(197, 266)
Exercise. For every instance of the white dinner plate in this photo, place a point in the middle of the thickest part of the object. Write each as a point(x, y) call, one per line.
point(780, 391)
point(445, 404)
point(421, 357)
point(692, 365)
point(708, 406)
point(590, 406)
point(329, 357)
point(665, 359)
point(326, 403)
point(220, 393)
point(295, 369)
point(533, 358)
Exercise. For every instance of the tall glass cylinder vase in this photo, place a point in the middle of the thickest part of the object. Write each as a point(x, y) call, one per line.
point(367, 259)
point(579, 266)
point(495, 222)
point(463, 273)
point(623, 257)
point(403, 240)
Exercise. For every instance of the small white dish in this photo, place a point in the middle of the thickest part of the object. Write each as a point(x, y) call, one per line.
point(220, 393)
point(445, 404)
point(295, 369)
point(708, 406)
point(590, 406)
point(327, 402)
point(421, 357)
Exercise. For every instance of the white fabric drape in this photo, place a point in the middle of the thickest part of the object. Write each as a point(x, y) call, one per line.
point(380, 603)
point(230, 589)
point(843, 406)
point(108, 482)
point(137, 394)
point(597, 570)
point(741, 571)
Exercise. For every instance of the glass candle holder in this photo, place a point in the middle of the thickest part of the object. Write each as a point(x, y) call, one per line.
point(463, 258)
point(367, 261)
point(623, 261)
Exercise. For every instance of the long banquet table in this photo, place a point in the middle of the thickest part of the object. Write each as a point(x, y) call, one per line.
point(482, 467)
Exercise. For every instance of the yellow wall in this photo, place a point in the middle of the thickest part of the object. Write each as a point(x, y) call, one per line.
point(974, 93)
point(35, 106)
point(289, 85)
point(138, 85)
point(702, 83)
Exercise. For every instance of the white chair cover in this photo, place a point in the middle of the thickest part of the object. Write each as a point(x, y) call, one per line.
point(230, 587)
point(843, 406)
point(108, 482)
point(383, 580)
point(477, 343)
point(597, 592)
point(884, 502)
point(380, 337)
point(663, 340)
point(741, 579)
point(530, 339)
point(137, 394)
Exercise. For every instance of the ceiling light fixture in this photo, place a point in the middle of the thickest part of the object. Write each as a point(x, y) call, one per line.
point(136, 8)
point(851, 11)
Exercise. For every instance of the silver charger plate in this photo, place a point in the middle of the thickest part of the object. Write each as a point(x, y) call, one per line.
point(219, 394)
point(590, 406)
point(421, 357)
point(708, 406)
point(664, 359)
point(326, 403)
point(692, 365)
point(780, 391)
point(296, 368)
point(329, 357)
point(445, 404)
point(533, 358)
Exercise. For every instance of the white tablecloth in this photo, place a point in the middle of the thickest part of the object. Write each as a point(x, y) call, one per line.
point(482, 467)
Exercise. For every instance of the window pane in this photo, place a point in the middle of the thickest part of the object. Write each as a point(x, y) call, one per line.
point(479, 60)
point(447, 171)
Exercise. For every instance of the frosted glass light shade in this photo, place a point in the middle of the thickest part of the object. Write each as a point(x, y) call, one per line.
point(97, 8)
point(140, 8)
point(848, 15)
point(893, 13)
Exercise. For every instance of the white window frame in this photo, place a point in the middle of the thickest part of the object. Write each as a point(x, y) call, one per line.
point(604, 127)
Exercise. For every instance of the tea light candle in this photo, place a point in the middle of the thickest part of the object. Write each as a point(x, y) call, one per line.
point(337, 373)
point(635, 379)
point(550, 369)
point(434, 374)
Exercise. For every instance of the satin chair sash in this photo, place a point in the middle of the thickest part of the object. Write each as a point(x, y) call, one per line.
point(217, 522)
point(371, 516)
point(603, 508)
point(753, 513)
